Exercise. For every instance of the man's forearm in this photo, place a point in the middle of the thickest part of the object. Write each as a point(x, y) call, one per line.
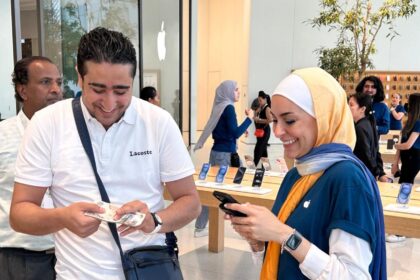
point(180, 212)
point(29, 218)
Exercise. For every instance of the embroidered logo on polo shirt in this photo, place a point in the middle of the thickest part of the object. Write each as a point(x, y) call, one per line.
point(143, 153)
point(306, 204)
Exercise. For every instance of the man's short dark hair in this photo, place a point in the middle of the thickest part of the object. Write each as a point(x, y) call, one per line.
point(148, 92)
point(103, 45)
point(20, 72)
point(380, 95)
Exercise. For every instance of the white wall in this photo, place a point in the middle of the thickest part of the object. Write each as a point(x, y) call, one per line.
point(281, 41)
point(7, 99)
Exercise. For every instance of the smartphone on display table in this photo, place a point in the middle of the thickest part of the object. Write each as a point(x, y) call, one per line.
point(204, 170)
point(404, 193)
point(220, 177)
point(239, 175)
point(390, 144)
point(226, 198)
point(265, 163)
point(258, 177)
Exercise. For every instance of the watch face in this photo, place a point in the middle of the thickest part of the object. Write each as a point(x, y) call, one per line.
point(294, 241)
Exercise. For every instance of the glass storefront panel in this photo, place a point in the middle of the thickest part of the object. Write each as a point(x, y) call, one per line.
point(63, 22)
point(161, 52)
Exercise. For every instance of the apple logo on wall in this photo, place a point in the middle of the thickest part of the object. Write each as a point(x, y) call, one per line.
point(161, 48)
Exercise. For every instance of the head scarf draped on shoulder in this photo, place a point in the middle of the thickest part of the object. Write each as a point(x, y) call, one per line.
point(225, 95)
point(321, 96)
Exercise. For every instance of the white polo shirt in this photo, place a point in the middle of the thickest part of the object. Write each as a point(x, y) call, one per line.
point(133, 157)
point(11, 133)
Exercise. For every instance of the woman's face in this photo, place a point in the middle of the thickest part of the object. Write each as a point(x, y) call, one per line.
point(236, 94)
point(356, 111)
point(395, 99)
point(293, 126)
point(261, 101)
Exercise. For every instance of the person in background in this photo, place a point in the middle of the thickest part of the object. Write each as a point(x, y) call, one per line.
point(397, 112)
point(136, 146)
point(325, 223)
point(224, 128)
point(262, 120)
point(366, 148)
point(150, 94)
point(373, 86)
point(68, 92)
point(37, 84)
point(408, 150)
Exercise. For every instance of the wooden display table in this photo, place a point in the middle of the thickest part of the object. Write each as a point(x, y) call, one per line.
point(395, 223)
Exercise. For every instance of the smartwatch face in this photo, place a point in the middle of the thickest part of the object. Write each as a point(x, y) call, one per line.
point(204, 170)
point(220, 177)
point(239, 175)
point(294, 241)
point(404, 193)
point(258, 177)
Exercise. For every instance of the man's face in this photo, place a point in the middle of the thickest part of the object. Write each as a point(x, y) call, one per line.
point(43, 87)
point(369, 88)
point(106, 90)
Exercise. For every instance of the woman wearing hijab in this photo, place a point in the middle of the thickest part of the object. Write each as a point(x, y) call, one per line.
point(225, 130)
point(327, 220)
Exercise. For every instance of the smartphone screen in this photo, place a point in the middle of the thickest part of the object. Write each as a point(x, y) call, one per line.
point(204, 170)
point(404, 193)
point(258, 177)
point(220, 177)
point(226, 198)
point(239, 175)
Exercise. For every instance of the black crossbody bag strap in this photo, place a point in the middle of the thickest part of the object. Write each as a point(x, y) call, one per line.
point(171, 240)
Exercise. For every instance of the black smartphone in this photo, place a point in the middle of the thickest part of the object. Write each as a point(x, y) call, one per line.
point(226, 198)
point(204, 170)
point(220, 177)
point(390, 144)
point(239, 175)
point(258, 177)
point(403, 196)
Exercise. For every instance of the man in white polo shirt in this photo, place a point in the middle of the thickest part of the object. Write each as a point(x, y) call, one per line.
point(37, 84)
point(136, 145)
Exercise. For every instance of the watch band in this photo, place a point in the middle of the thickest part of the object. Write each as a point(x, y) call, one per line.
point(158, 223)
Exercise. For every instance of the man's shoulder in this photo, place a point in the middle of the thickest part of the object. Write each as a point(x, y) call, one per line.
point(8, 125)
point(57, 109)
point(145, 109)
point(7, 122)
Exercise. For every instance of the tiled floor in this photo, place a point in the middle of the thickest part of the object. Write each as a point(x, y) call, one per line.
point(235, 261)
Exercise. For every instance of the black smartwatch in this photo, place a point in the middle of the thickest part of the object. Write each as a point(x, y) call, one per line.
point(293, 242)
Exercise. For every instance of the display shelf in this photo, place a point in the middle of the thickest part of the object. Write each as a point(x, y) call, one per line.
point(403, 82)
